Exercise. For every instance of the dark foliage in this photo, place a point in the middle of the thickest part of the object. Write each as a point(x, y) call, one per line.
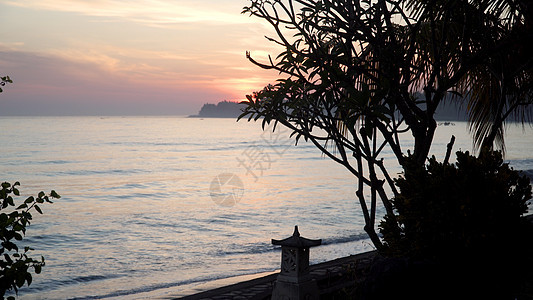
point(460, 208)
point(3, 81)
point(466, 218)
point(224, 109)
point(15, 264)
point(349, 73)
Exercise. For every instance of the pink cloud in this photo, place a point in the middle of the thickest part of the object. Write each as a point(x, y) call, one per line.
point(46, 83)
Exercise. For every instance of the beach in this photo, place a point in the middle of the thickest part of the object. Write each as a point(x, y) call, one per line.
point(331, 277)
point(335, 279)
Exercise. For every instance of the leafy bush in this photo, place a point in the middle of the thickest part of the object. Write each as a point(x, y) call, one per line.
point(15, 264)
point(459, 208)
point(463, 217)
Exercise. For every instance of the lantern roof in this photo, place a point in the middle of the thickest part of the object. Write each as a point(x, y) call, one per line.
point(296, 241)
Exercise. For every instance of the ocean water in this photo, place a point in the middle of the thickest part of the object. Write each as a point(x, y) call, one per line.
point(153, 204)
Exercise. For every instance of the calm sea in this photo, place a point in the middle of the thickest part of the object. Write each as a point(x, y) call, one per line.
point(152, 206)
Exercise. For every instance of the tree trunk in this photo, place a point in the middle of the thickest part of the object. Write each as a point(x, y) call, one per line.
point(374, 237)
point(423, 139)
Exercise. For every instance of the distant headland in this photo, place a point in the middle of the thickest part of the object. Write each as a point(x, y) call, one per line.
point(445, 114)
point(229, 109)
point(224, 109)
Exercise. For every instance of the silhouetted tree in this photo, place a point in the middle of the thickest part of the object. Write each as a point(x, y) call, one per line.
point(224, 109)
point(488, 41)
point(350, 69)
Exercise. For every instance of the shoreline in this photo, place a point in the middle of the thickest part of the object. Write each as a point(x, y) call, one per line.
point(191, 289)
point(260, 285)
point(338, 273)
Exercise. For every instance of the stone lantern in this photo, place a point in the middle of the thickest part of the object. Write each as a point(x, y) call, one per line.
point(294, 281)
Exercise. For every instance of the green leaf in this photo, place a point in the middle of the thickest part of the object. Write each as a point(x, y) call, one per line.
point(29, 200)
point(8, 259)
point(10, 246)
point(18, 227)
point(10, 201)
point(38, 209)
point(21, 278)
point(17, 236)
point(53, 194)
point(3, 218)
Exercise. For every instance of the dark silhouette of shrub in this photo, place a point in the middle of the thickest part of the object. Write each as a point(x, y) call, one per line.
point(15, 264)
point(466, 219)
point(461, 208)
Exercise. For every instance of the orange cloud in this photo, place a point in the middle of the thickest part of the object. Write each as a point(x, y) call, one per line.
point(183, 51)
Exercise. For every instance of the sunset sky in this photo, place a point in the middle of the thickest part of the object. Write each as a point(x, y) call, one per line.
point(123, 57)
